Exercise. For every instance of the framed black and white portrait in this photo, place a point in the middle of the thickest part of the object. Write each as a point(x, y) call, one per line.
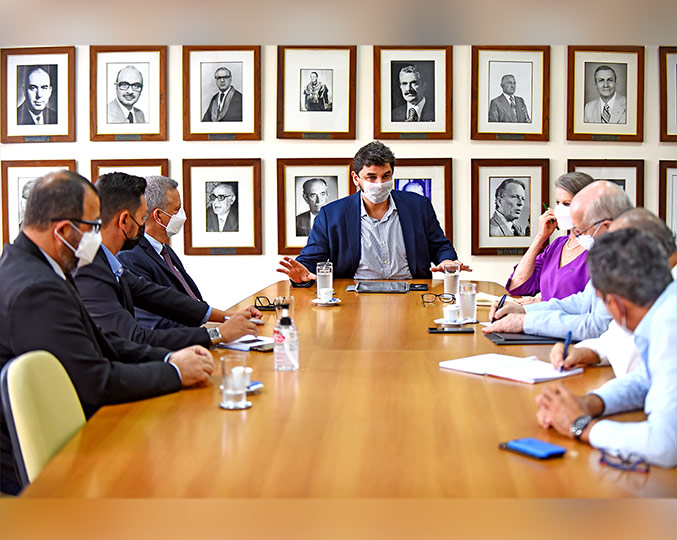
point(412, 92)
point(507, 200)
point(304, 186)
point(222, 200)
point(667, 59)
point(18, 178)
point(137, 167)
point(221, 93)
point(128, 93)
point(316, 92)
point(625, 173)
point(667, 193)
point(605, 99)
point(38, 95)
point(510, 93)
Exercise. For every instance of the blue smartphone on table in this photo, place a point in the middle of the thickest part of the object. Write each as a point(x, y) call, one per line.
point(533, 448)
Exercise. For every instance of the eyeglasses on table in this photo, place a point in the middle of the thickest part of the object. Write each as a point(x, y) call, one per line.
point(631, 462)
point(429, 298)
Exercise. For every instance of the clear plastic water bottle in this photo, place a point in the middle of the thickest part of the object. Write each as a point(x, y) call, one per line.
point(286, 348)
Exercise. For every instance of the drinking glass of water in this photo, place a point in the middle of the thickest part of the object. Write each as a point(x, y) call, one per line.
point(325, 276)
point(452, 272)
point(468, 301)
point(235, 377)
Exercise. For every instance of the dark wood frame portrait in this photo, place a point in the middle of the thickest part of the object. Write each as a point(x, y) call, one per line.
point(486, 176)
point(291, 174)
point(667, 62)
point(492, 116)
point(58, 115)
point(631, 170)
point(106, 115)
point(239, 181)
point(431, 68)
point(332, 115)
point(667, 194)
point(11, 184)
point(155, 167)
point(234, 117)
point(584, 115)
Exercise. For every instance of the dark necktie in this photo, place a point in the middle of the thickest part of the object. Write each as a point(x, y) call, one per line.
point(606, 114)
point(165, 255)
point(130, 117)
point(222, 96)
point(515, 230)
point(512, 106)
point(412, 115)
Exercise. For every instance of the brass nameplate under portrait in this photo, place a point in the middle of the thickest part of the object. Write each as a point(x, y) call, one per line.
point(613, 138)
point(510, 251)
point(509, 136)
point(127, 137)
point(221, 137)
point(37, 138)
point(316, 135)
point(413, 135)
point(222, 251)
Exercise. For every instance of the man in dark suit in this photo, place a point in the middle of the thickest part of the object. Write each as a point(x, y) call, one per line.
point(153, 258)
point(226, 104)
point(508, 107)
point(416, 107)
point(509, 201)
point(222, 209)
point(41, 309)
point(37, 91)
point(353, 231)
point(315, 195)
point(110, 292)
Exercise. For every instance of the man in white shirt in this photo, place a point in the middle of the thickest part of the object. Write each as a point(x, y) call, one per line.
point(616, 347)
point(610, 107)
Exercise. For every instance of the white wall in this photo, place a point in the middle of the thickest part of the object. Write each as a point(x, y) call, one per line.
point(226, 279)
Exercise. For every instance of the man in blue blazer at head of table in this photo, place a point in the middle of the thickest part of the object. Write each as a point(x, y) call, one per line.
point(376, 233)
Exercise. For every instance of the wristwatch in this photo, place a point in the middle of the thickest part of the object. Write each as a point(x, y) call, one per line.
point(579, 425)
point(214, 335)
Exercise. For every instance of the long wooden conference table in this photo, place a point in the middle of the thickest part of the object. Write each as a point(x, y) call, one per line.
point(369, 414)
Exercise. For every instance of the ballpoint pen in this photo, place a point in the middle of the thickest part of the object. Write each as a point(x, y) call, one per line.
point(566, 348)
point(500, 305)
point(546, 209)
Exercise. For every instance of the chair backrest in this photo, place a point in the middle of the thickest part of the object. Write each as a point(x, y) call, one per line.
point(42, 410)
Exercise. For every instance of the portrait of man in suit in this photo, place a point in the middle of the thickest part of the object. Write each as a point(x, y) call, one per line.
point(315, 194)
point(509, 201)
point(222, 207)
point(316, 93)
point(128, 86)
point(508, 107)
point(226, 104)
point(25, 193)
point(608, 106)
point(37, 92)
point(416, 101)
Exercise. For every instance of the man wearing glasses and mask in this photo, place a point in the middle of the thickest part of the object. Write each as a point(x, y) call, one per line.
point(128, 86)
point(222, 209)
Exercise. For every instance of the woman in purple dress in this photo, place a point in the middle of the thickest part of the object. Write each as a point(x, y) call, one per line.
point(560, 270)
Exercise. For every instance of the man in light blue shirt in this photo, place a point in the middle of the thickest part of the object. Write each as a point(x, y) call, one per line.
point(584, 314)
point(631, 273)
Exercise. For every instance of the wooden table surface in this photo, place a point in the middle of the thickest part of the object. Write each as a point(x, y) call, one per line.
point(368, 414)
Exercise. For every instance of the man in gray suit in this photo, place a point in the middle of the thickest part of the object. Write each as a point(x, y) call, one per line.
point(610, 107)
point(128, 86)
point(508, 107)
point(509, 197)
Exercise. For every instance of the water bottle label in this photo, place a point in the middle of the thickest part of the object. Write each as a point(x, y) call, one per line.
point(278, 338)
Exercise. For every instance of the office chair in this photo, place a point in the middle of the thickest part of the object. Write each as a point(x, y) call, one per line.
point(41, 408)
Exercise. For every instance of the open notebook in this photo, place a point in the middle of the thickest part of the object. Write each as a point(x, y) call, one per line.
point(529, 370)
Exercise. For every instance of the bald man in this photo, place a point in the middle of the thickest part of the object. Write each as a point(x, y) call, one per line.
point(128, 87)
point(37, 92)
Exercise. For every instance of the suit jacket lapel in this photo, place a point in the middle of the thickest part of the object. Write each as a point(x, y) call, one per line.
point(406, 224)
point(352, 220)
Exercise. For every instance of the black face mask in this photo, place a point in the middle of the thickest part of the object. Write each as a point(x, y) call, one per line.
point(131, 243)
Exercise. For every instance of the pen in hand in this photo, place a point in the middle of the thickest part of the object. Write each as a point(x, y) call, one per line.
point(566, 348)
point(500, 305)
point(552, 220)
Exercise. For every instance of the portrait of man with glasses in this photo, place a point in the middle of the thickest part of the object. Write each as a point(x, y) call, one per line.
point(128, 87)
point(222, 207)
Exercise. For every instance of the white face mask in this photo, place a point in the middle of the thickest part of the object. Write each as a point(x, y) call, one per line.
point(87, 248)
point(176, 221)
point(588, 240)
point(377, 193)
point(563, 217)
